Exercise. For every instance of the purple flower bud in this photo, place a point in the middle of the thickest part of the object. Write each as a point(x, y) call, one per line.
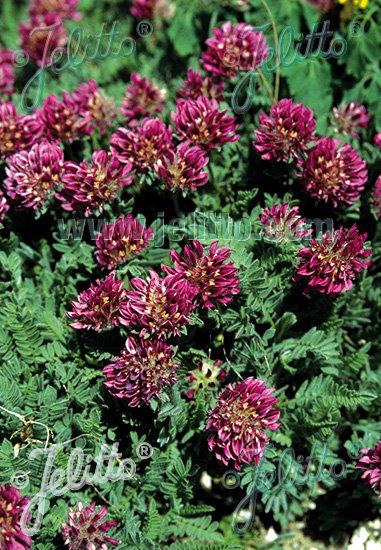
point(239, 422)
point(331, 264)
point(377, 196)
point(65, 9)
point(285, 134)
point(17, 132)
point(206, 376)
point(94, 107)
point(4, 207)
point(142, 99)
point(33, 175)
point(89, 186)
point(159, 306)
point(197, 85)
point(99, 306)
point(333, 174)
point(283, 223)
point(183, 167)
point(141, 372)
point(233, 49)
point(121, 240)
point(371, 463)
point(200, 121)
point(150, 9)
point(61, 120)
point(143, 146)
point(214, 279)
point(7, 76)
point(41, 35)
point(348, 119)
point(12, 507)
point(84, 530)
point(323, 5)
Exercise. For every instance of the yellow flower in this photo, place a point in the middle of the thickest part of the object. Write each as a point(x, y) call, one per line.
point(349, 6)
point(356, 3)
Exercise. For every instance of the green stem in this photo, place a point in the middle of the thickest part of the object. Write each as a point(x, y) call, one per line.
point(213, 21)
point(276, 46)
point(266, 85)
point(176, 204)
point(369, 16)
point(213, 178)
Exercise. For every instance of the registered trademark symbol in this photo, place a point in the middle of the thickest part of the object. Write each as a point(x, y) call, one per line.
point(356, 28)
point(20, 480)
point(230, 480)
point(144, 450)
point(144, 29)
point(21, 58)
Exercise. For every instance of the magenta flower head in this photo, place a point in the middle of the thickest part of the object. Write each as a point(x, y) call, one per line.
point(121, 240)
point(143, 9)
point(233, 49)
point(142, 99)
point(141, 372)
point(159, 306)
point(7, 77)
point(97, 111)
point(197, 85)
point(348, 119)
point(183, 167)
point(331, 264)
point(214, 279)
point(239, 422)
point(150, 9)
point(17, 132)
point(41, 36)
point(333, 174)
point(285, 134)
point(12, 507)
point(377, 197)
point(33, 175)
point(142, 146)
point(85, 530)
point(65, 9)
point(323, 5)
point(60, 119)
point(99, 306)
point(377, 139)
point(200, 121)
point(4, 207)
point(207, 376)
point(370, 461)
point(282, 223)
point(89, 186)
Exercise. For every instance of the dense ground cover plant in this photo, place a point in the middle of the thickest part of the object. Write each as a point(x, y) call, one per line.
point(190, 236)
